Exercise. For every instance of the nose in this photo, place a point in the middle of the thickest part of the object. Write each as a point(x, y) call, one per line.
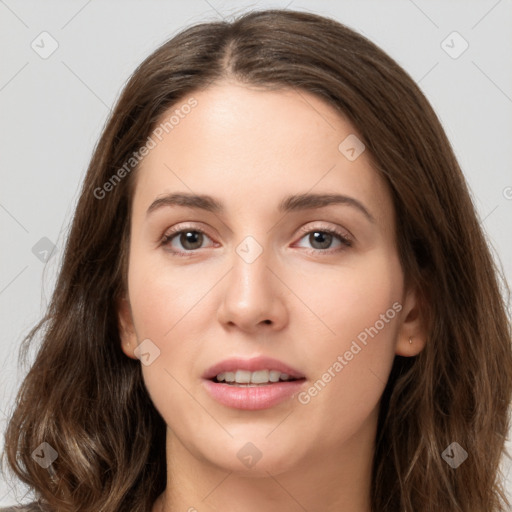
point(253, 296)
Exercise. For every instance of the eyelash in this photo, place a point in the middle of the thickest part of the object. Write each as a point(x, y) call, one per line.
point(347, 242)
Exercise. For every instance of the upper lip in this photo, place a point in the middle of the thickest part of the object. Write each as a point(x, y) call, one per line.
point(253, 365)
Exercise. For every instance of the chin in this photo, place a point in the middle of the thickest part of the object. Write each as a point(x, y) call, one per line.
point(254, 455)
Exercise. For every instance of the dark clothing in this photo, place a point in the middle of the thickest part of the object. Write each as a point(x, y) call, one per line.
point(31, 507)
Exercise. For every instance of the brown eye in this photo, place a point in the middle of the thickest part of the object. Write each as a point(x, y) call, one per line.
point(191, 240)
point(184, 240)
point(321, 240)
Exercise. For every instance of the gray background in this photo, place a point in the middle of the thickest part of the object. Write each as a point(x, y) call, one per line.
point(53, 109)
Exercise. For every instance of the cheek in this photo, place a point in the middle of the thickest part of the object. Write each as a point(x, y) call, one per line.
point(165, 299)
point(166, 310)
point(341, 302)
point(169, 308)
point(358, 311)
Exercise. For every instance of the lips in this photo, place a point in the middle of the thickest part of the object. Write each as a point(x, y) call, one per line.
point(252, 365)
point(232, 384)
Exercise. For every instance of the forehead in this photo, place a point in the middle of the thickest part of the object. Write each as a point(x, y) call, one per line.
point(239, 142)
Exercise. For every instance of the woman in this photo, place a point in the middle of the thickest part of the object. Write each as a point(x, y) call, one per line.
point(198, 356)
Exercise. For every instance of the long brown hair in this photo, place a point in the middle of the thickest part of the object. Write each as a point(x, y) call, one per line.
point(87, 400)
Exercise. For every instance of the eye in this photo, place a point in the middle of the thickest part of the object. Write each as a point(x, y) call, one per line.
point(187, 239)
point(323, 238)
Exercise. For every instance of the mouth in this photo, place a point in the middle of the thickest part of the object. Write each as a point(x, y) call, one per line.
point(252, 384)
point(245, 378)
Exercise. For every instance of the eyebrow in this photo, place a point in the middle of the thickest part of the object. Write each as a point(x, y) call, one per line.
point(291, 203)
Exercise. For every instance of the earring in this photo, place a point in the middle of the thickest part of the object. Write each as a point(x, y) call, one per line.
point(410, 340)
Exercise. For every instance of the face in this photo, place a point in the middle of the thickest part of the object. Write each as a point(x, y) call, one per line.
point(259, 276)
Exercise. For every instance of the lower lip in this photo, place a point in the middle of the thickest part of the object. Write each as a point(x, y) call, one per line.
point(252, 398)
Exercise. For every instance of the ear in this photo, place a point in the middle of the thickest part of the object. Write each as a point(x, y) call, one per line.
point(412, 334)
point(126, 327)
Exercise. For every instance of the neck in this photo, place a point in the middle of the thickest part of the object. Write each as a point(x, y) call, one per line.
point(329, 480)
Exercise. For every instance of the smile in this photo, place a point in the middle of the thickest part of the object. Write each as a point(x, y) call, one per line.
point(252, 384)
point(247, 378)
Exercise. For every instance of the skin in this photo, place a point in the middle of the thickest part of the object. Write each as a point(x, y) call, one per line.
point(249, 148)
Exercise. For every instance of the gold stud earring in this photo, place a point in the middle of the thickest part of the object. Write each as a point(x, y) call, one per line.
point(410, 340)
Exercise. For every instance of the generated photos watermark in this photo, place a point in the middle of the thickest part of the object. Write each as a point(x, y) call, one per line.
point(343, 360)
point(152, 141)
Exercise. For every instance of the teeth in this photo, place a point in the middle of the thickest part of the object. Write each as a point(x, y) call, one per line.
point(274, 375)
point(258, 377)
point(242, 377)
